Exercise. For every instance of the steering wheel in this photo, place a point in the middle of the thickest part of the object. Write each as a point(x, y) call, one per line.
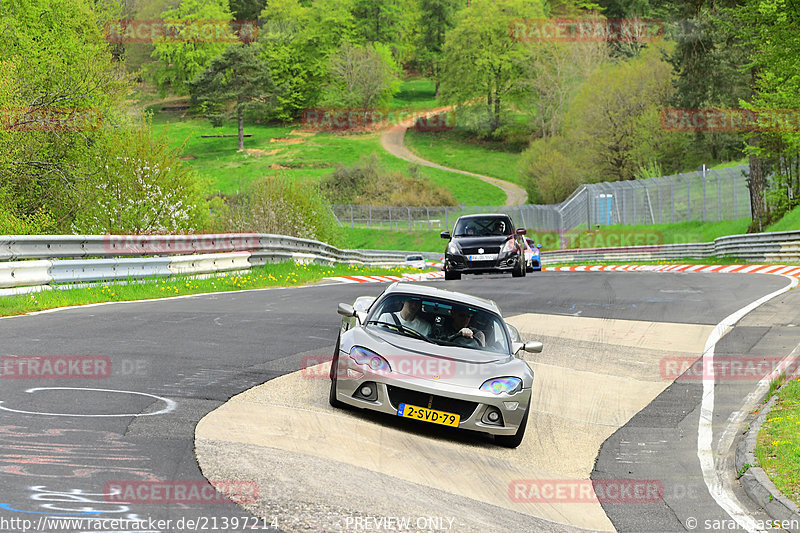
point(458, 337)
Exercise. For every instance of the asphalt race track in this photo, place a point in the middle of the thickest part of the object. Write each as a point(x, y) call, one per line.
point(606, 409)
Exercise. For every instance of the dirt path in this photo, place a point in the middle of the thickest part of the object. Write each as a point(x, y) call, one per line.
point(392, 142)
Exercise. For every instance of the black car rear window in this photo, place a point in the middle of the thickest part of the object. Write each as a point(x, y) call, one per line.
point(482, 227)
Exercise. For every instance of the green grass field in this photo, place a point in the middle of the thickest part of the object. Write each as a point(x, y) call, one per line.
point(372, 239)
point(790, 221)
point(430, 241)
point(289, 151)
point(452, 149)
point(779, 442)
point(415, 93)
point(277, 275)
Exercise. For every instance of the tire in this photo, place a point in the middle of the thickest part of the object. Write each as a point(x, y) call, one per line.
point(512, 441)
point(452, 275)
point(334, 363)
point(519, 269)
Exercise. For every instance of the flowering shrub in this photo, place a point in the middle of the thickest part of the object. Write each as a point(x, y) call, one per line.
point(140, 187)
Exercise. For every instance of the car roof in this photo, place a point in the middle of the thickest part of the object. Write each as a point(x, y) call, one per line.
point(433, 292)
point(482, 215)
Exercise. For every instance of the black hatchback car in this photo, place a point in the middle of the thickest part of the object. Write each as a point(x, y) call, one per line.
point(484, 243)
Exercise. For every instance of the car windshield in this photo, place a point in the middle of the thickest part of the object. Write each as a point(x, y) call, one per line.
point(414, 258)
point(482, 227)
point(441, 322)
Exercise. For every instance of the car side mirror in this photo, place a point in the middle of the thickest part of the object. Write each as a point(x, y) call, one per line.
point(522, 231)
point(530, 346)
point(346, 310)
point(445, 235)
point(533, 347)
point(539, 246)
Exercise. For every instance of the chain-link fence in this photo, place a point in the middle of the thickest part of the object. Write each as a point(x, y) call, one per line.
point(708, 195)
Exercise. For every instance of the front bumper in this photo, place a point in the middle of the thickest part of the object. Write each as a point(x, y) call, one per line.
point(460, 263)
point(393, 389)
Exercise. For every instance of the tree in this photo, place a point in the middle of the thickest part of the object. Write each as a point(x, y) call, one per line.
point(296, 42)
point(55, 63)
point(234, 82)
point(247, 9)
point(552, 71)
point(363, 76)
point(179, 61)
point(614, 108)
point(436, 18)
point(704, 46)
point(768, 32)
point(379, 21)
point(482, 62)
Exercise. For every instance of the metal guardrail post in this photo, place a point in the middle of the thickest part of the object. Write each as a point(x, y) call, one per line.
point(704, 192)
point(719, 195)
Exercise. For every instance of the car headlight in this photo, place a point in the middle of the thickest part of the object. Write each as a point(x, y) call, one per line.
point(509, 385)
point(452, 248)
point(375, 362)
point(509, 246)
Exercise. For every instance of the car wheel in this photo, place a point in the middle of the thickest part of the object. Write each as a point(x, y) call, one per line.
point(519, 269)
point(452, 275)
point(334, 370)
point(512, 441)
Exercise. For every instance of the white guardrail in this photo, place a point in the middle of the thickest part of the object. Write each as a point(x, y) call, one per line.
point(775, 247)
point(41, 260)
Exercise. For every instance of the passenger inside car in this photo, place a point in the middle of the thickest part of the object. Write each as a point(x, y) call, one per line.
point(407, 315)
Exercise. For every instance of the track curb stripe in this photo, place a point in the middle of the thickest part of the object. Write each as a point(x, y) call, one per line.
point(786, 270)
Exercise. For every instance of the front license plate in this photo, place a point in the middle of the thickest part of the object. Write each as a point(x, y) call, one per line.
point(482, 257)
point(428, 415)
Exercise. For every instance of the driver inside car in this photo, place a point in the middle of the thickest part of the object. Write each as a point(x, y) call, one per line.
point(460, 319)
point(407, 316)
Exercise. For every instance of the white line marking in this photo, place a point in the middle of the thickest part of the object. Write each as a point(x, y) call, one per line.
point(721, 493)
point(170, 405)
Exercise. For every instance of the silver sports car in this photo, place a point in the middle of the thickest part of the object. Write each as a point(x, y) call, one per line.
point(433, 355)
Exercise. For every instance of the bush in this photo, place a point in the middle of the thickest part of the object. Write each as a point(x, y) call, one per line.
point(548, 174)
point(13, 222)
point(282, 207)
point(140, 187)
point(367, 183)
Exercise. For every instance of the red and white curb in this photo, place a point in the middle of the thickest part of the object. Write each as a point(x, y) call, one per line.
point(422, 276)
point(787, 270)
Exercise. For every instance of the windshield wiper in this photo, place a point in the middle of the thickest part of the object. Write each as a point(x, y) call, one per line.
point(402, 329)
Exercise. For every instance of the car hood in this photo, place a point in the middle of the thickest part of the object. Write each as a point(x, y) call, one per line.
point(474, 242)
point(414, 359)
